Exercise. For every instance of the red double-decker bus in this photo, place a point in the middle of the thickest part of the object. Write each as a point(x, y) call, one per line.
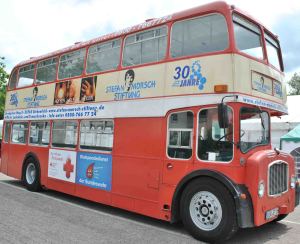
point(158, 119)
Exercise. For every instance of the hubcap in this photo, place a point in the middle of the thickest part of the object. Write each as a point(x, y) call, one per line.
point(30, 173)
point(205, 210)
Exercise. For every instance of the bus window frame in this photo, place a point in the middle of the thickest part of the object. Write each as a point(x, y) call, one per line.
point(4, 132)
point(121, 38)
point(166, 55)
point(280, 59)
point(76, 146)
point(29, 131)
point(262, 38)
point(205, 53)
point(83, 73)
point(234, 136)
point(11, 132)
point(269, 126)
point(34, 75)
point(192, 135)
point(95, 150)
point(17, 79)
point(56, 70)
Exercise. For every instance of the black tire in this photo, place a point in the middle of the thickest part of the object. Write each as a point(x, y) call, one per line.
point(204, 192)
point(31, 180)
point(280, 217)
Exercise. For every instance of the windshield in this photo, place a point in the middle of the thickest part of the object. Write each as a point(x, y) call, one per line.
point(215, 143)
point(254, 128)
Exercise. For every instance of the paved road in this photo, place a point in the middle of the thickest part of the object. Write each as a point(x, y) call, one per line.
point(52, 217)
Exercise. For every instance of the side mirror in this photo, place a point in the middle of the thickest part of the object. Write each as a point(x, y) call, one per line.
point(223, 115)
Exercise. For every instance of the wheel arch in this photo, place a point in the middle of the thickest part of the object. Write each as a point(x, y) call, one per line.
point(244, 208)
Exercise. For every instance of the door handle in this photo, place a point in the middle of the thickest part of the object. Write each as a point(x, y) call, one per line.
point(169, 166)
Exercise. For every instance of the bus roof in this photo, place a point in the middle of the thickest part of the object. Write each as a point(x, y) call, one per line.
point(219, 6)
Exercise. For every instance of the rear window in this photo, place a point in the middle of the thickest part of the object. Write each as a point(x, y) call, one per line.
point(13, 79)
point(26, 75)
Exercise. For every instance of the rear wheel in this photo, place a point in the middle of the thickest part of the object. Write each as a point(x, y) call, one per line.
point(31, 175)
point(208, 210)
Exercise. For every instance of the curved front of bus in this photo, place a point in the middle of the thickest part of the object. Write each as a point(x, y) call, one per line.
point(258, 79)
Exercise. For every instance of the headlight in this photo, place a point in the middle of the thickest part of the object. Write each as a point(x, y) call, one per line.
point(293, 182)
point(261, 189)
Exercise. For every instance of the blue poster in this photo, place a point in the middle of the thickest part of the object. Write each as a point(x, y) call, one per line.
point(94, 170)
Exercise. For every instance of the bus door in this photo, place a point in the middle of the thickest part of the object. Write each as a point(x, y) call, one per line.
point(179, 146)
point(5, 147)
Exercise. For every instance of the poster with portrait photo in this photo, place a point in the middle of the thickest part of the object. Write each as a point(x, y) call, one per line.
point(66, 92)
point(88, 89)
point(60, 94)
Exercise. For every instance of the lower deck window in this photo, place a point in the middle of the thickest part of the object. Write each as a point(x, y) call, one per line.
point(39, 133)
point(6, 131)
point(180, 135)
point(19, 132)
point(96, 135)
point(64, 134)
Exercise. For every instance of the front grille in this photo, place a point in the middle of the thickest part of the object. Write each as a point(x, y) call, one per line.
point(278, 178)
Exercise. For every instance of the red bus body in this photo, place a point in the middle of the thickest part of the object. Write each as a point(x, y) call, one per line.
point(144, 179)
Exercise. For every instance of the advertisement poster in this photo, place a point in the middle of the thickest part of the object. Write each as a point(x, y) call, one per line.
point(94, 170)
point(66, 92)
point(31, 97)
point(62, 165)
point(88, 89)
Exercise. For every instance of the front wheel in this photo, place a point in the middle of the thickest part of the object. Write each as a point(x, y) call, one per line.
point(31, 175)
point(208, 210)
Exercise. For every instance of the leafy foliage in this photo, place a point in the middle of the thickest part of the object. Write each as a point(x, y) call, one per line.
point(3, 84)
point(294, 84)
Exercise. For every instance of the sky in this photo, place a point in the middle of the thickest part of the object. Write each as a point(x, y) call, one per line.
point(34, 27)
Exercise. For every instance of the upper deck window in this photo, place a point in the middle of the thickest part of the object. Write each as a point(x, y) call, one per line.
point(145, 47)
point(199, 35)
point(26, 75)
point(13, 79)
point(104, 56)
point(46, 70)
point(71, 64)
point(247, 37)
point(273, 51)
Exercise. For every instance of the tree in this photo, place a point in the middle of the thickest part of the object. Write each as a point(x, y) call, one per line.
point(3, 82)
point(294, 84)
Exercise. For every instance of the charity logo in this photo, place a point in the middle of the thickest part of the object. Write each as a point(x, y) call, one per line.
point(14, 99)
point(34, 100)
point(90, 171)
point(189, 76)
point(68, 167)
point(130, 88)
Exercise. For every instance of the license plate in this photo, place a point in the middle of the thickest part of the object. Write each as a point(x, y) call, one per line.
point(272, 213)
